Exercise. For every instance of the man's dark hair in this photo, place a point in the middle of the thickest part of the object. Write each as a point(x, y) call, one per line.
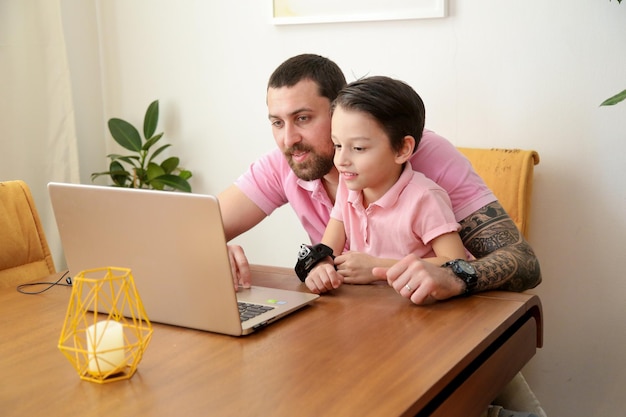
point(324, 72)
point(393, 103)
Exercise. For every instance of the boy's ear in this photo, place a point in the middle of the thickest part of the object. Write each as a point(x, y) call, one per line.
point(408, 144)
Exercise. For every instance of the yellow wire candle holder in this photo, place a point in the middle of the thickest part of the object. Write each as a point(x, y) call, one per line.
point(106, 329)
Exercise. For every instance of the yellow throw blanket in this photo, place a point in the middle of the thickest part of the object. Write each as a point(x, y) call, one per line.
point(509, 174)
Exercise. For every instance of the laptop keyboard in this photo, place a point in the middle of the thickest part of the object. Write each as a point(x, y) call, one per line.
point(248, 311)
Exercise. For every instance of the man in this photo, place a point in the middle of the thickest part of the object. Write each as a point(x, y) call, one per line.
point(301, 172)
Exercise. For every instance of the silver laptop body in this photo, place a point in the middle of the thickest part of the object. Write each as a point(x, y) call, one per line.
point(175, 246)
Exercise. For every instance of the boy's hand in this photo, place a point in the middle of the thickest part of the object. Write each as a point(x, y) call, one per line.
point(323, 278)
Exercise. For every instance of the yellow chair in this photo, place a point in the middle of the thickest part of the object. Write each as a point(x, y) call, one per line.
point(24, 251)
point(509, 174)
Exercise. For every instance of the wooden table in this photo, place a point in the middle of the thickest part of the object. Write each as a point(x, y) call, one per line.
point(360, 351)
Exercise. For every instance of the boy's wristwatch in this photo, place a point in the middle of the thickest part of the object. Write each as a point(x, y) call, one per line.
point(309, 256)
point(466, 272)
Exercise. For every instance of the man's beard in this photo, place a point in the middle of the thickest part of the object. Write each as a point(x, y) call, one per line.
point(315, 167)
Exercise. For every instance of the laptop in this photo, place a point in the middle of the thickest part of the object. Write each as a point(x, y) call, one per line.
point(175, 246)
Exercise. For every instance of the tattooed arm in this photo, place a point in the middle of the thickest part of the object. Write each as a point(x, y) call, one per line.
point(505, 260)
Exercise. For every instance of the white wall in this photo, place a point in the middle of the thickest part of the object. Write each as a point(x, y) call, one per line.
point(493, 74)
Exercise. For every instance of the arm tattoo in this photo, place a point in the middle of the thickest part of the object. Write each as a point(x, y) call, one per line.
point(505, 261)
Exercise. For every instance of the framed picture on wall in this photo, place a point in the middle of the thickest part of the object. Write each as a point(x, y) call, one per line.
point(286, 12)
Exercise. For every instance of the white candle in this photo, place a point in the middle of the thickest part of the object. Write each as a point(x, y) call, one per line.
point(105, 346)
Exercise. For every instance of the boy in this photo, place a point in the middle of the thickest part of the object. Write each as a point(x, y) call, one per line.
point(383, 207)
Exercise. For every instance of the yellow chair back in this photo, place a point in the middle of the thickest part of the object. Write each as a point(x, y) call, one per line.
point(509, 174)
point(24, 251)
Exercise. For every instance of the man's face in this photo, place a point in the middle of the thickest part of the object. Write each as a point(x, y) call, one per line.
point(300, 120)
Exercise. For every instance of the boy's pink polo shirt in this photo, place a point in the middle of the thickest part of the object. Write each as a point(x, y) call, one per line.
point(413, 212)
point(270, 183)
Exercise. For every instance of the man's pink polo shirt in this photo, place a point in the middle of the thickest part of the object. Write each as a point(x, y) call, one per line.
point(270, 183)
point(413, 212)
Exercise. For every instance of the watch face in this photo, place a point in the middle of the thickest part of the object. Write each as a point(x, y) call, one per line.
point(466, 267)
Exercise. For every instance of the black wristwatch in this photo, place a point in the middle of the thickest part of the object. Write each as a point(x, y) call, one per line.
point(466, 272)
point(309, 256)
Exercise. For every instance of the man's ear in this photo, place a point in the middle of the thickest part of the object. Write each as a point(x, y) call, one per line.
point(408, 144)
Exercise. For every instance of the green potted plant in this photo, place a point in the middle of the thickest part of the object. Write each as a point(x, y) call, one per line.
point(617, 97)
point(140, 169)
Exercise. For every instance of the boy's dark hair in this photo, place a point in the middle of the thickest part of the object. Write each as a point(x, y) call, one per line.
point(324, 72)
point(393, 103)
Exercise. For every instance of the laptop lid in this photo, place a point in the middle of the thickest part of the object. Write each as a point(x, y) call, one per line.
point(175, 246)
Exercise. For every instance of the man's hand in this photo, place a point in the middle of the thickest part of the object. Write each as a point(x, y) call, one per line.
point(323, 278)
point(420, 281)
point(239, 266)
point(356, 267)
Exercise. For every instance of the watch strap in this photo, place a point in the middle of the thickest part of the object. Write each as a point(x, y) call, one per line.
point(309, 256)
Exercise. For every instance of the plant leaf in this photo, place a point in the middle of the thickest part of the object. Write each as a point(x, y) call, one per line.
point(153, 171)
point(615, 99)
point(151, 119)
point(115, 169)
point(98, 174)
point(158, 151)
point(118, 174)
point(129, 159)
point(172, 181)
point(184, 174)
point(152, 141)
point(125, 134)
point(170, 164)
point(95, 175)
point(123, 157)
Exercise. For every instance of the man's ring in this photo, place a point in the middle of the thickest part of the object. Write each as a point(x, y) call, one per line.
point(407, 287)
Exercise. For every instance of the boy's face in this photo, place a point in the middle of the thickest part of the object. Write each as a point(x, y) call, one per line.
point(363, 153)
point(300, 120)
